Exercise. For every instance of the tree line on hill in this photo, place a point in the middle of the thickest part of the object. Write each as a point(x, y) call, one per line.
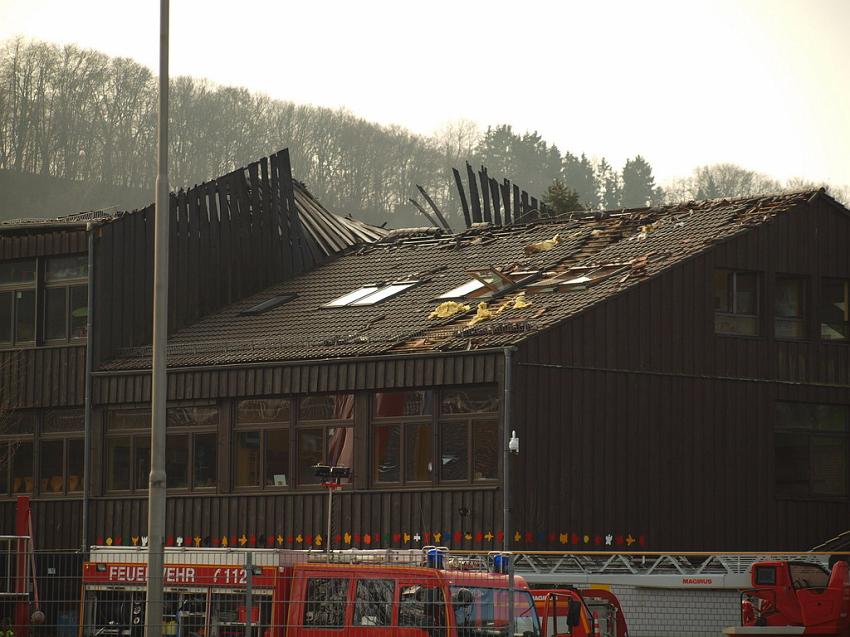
point(79, 115)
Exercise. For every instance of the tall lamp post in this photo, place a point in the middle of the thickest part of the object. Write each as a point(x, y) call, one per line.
point(332, 477)
point(156, 484)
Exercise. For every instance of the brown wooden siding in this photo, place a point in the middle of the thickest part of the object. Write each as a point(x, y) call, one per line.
point(647, 422)
point(57, 524)
point(228, 239)
point(43, 377)
point(35, 243)
point(305, 378)
point(384, 515)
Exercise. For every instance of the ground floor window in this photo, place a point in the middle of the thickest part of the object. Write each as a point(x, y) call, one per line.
point(811, 443)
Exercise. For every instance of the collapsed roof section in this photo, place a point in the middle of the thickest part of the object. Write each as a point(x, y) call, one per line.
point(487, 287)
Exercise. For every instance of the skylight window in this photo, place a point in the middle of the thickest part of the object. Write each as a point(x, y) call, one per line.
point(269, 304)
point(371, 294)
point(488, 282)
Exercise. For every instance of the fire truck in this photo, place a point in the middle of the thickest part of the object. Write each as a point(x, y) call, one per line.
point(279, 593)
point(580, 612)
point(795, 597)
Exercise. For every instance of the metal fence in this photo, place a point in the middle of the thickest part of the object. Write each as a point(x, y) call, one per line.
point(268, 593)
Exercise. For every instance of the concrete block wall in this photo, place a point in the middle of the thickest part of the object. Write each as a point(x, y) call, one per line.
point(660, 612)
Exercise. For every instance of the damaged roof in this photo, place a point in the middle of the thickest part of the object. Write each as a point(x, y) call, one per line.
point(557, 268)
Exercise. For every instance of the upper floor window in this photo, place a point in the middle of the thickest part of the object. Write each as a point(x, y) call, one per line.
point(835, 309)
point(736, 303)
point(811, 449)
point(17, 302)
point(403, 437)
point(325, 434)
point(789, 307)
point(261, 443)
point(65, 298)
point(469, 434)
point(57, 286)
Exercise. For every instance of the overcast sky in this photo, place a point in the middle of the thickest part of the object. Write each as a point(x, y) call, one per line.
point(764, 84)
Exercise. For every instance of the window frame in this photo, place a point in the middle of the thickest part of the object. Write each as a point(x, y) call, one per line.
point(733, 314)
point(812, 434)
point(191, 432)
point(14, 289)
point(405, 424)
point(300, 425)
point(262, 428)
point(804, 318)
point(821, 305)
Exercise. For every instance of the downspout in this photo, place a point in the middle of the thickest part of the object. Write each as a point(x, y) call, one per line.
point(87, 436)
point(506, 452)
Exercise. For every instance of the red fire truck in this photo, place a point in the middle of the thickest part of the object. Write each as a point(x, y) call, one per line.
point(299, 593)
point(581, 612)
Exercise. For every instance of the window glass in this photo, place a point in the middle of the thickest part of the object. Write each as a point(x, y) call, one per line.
point(384, 293)
point(789, 307)
point(12, 272)
point(264, 410)
point(309, 454)
point(247, 459)
point(141, 461)
point(79, 310)
point(51, 466)
point(835, 309)
point(346, 299)
point(6, 317)
point(808, 575)
point(746, 293)
point(387, 453)
point(829, 465)
point(373, 602)
point(402, 403)
point(277, 457)
point(469, 400)
point(421, 607)
point(192, 416)
point(75, 465)
point(722, 291)
point(118, 464)
point(61, 421)
point(55, 317)
point(20, 422)
point(419, 463)
point(21, 453)
point(327, 407)
point(736, 303)
point(177, 461)
point(454, 451)
point(204, 461)
point(326, 602)
point(129, 419)
point(4, 467)
point(340, 451)
point(62, 268)
point(24, 315)
point(765, 575)
point(485, 450)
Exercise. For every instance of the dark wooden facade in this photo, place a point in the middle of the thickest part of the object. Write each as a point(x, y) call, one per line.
point(636, 420)
point(652, 424)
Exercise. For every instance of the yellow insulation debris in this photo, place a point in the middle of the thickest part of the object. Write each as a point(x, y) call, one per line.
point(481, 314)
point(543, 246)
point(447, 309)
point(520, 302)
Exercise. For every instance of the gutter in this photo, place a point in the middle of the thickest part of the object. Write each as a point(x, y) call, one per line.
point(87, 402)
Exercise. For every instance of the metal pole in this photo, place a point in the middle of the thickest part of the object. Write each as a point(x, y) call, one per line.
point(506, 452)
point(156, 485)
point(511, 609)
point(87, 400)
point(249, 592)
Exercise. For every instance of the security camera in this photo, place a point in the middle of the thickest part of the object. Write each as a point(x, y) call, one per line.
point(513, 443)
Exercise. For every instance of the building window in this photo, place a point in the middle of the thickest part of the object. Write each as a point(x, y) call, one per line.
point(736, 303)
point(191, 448)
point(835, 310)
point(261, 443)
point(65, 298)
point(61, 452)
point(17, 302)
point(17, 453)
point(789, 308)
point(324, 434)
point(402, 437)
point(469, 434)
point(371, 294)
point(811, 443)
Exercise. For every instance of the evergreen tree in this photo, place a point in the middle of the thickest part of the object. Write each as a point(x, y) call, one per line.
point(639, 187)
point(577, 173)
point(608, 184)
point(561, 198)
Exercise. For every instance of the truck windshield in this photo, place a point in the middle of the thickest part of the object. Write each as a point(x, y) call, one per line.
point(484, 611)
